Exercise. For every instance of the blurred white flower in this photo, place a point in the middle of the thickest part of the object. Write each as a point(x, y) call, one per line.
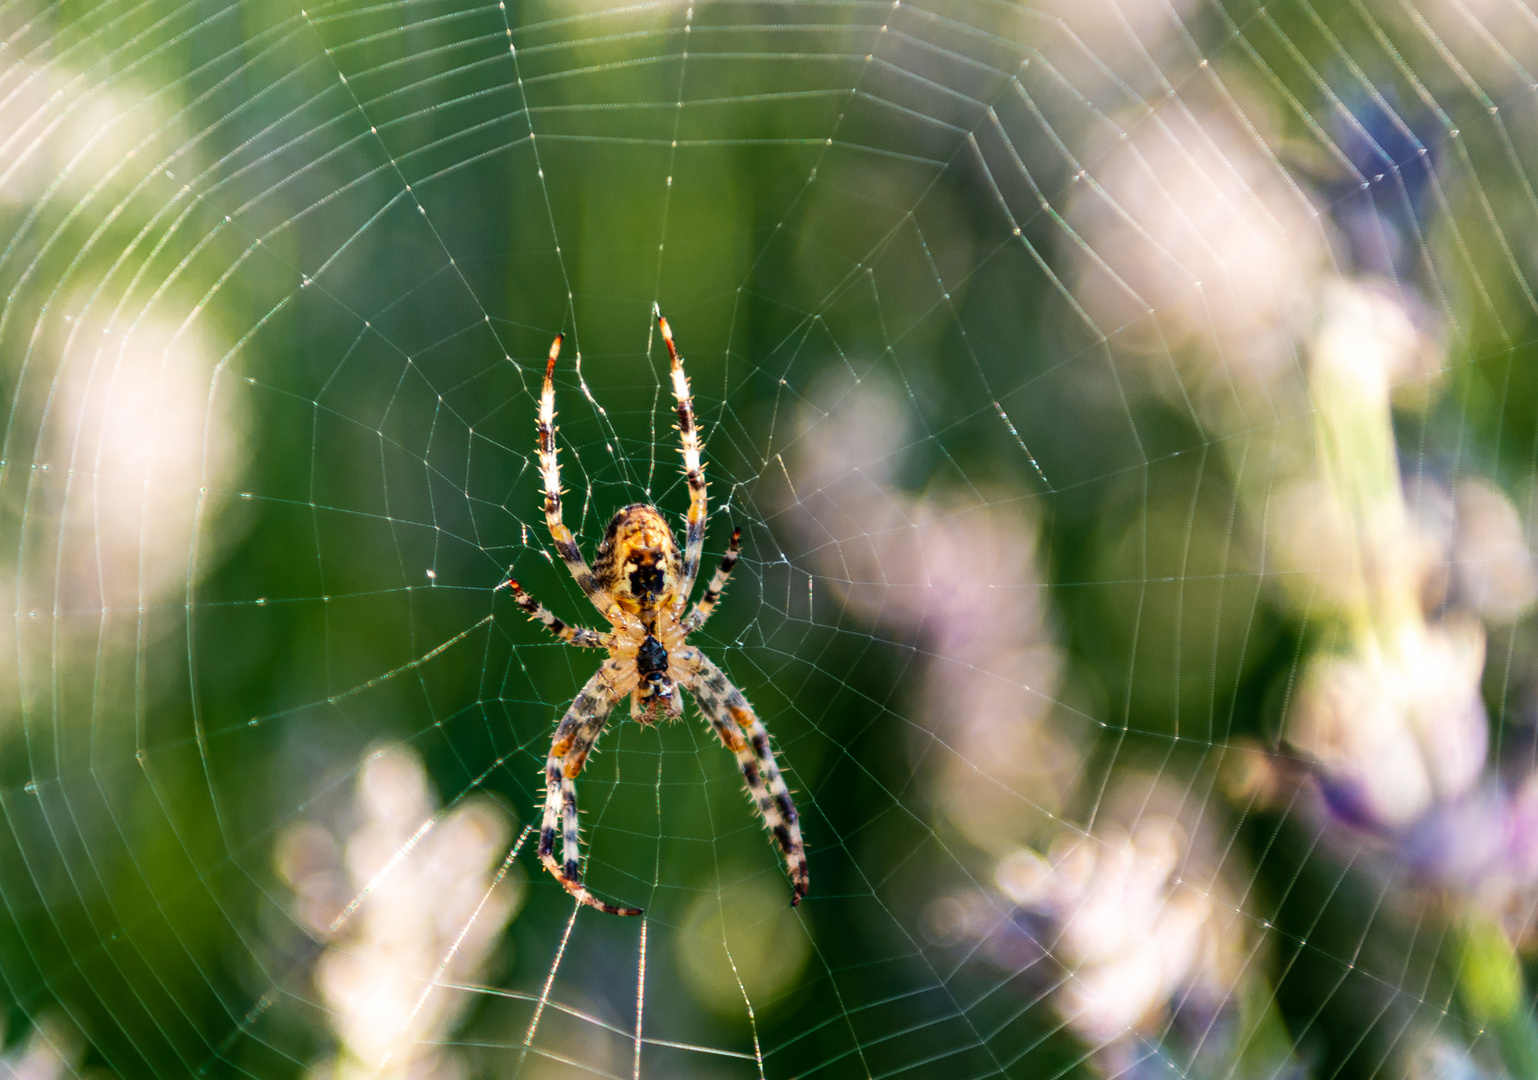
point(63, 132)
point(1392, 713)
point(50, 1051)
point(113, 411)
point(136, 436)
point(134, 454)
point(1137, 915)
point(1191, 239)
point(1399, 724)
point(1366, 339)
point(433, 904)
point(1311, 549)
point(1104, 39)
point(1363, 347)
point(962, 573)
point(116, 406)
point(1492, 568)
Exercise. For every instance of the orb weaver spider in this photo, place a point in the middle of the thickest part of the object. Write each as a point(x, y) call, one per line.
point(641, 585)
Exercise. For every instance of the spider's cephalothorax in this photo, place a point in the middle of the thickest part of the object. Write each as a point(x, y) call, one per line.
point(638, 562)
point(641, 584)
point(639, 565)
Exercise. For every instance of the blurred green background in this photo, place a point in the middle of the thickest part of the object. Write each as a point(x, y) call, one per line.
point(1127, 411)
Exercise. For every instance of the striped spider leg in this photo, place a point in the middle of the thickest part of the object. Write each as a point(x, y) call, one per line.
point(694, 471)
point(641, 584)
point(579, 636)
point(707, 603)
point(550, 473)
point(742, 732)
point(574, 738)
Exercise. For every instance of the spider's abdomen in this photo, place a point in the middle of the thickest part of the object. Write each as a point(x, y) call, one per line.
point(638, 561)
point(655, 693)
point(651, 660)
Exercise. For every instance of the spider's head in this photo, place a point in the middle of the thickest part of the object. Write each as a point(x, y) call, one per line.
point(638, 562)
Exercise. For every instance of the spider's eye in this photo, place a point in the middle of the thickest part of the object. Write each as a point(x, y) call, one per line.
point(646, 578)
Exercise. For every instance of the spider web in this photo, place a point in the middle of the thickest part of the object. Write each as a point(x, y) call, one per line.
point(1128, 407)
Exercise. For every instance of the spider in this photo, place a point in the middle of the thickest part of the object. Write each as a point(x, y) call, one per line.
point(641, 585)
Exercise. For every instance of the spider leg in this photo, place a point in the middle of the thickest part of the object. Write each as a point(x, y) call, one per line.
point(707, 603)
point(694, 542)
point(743, 733)
point(574, 738)
point(550, 471)
point(580, 636)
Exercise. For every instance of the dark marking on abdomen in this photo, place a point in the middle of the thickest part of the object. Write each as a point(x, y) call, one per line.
point(651, 659)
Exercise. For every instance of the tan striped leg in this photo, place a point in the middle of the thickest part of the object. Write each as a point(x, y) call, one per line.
point(573, 635)
point(707, 603)
point(743, 733)
point(694, 540)
point(574, 738)
point(550, 470)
